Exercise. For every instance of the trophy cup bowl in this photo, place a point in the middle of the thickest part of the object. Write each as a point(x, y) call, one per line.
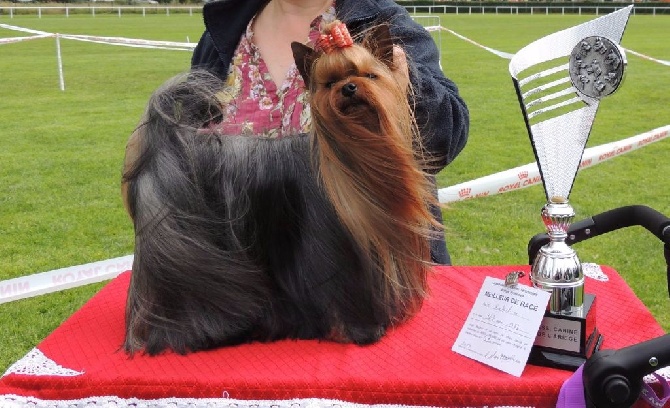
point(559, 80)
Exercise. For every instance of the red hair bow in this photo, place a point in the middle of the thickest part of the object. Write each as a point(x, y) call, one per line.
point(338, 37)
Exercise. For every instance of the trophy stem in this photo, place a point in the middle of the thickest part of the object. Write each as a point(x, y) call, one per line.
point(557, 268)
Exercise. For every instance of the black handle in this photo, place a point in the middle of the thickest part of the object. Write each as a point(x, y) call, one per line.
point(654, 221)
point(613, 378)
point(612, 220)
point(641, 215)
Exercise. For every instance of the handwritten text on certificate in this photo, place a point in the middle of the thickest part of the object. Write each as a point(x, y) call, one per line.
point(502, 325)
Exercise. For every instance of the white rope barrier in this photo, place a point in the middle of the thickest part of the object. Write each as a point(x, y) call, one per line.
point(647, 57)
point(10, 40)
point(501, 54)
point(61, 279)
point(529, 174)
point(507, 55)
point(188, 46)
point(128, 42)
point(132, 42)
point(24, 30)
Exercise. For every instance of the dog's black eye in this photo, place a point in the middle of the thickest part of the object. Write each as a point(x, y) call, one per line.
point(371, 75)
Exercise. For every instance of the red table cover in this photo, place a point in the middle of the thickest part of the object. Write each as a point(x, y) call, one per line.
point(81, 361)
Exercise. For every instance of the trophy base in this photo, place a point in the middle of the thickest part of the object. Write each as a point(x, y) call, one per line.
point(566, 341)
point(553, 359)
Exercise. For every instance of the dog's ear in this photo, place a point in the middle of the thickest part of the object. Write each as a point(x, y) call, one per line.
point(304, 57)
point(378, 42)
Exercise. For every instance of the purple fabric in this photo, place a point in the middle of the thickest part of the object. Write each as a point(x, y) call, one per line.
point(572, 392)
point(650, 396)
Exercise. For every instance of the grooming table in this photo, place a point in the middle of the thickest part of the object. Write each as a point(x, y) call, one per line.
point(413, 365)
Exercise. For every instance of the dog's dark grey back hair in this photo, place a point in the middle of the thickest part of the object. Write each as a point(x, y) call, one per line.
point(235, 238)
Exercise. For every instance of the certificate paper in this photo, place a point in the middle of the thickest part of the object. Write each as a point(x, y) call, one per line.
point(502, 325)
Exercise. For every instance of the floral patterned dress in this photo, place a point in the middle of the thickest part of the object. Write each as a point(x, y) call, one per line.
point(253, 103)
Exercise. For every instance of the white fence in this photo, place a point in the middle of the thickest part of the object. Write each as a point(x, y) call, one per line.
point(473, 8)
point(482, 8)
point(94, 10)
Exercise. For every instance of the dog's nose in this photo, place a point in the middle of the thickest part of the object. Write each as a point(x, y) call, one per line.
point(349, 89)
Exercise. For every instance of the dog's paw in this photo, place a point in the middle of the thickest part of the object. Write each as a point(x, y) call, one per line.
point(365, 334)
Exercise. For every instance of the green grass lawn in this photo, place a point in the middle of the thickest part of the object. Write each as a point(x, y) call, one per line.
point(61, 155)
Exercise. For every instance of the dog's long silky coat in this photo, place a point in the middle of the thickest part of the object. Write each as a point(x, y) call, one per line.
point(239, 239)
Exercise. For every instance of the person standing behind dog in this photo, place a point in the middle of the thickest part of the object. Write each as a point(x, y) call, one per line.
point(248, 44)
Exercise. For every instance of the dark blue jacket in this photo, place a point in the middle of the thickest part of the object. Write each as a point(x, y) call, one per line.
point(440, 112)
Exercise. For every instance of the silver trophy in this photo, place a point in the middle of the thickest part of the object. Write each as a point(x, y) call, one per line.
point(560, 80)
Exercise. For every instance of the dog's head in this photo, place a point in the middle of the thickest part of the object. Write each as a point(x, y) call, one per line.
point(352, 82)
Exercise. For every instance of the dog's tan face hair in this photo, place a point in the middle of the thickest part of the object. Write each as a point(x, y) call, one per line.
point(352, 84)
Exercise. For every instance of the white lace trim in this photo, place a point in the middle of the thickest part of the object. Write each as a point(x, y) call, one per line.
point(594, 271)
point(663, 372)
point(14, 401)
point(36, 363)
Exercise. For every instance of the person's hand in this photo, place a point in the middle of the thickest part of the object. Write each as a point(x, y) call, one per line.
point(400, 67)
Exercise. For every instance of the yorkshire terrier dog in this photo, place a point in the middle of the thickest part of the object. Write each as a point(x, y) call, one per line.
point(319, 236)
